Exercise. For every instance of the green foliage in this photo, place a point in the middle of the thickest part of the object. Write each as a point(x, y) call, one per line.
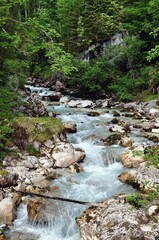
point(32, 150)
point(143, 200)
point(122, 87)
point(6, 135)
point(152, 156)
point(137, 200)
point(93, 76)
point(8, 103)
point(86, 22)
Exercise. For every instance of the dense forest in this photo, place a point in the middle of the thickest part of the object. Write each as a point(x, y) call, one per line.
point(42, 39)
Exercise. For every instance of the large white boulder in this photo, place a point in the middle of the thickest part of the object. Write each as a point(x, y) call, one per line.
point(7, 211)
point(64, 154)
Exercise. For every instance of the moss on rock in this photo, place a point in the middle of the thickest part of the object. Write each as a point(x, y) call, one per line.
point(38, 129)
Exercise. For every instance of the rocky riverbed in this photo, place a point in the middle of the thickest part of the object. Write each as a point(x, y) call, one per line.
point(111, 219)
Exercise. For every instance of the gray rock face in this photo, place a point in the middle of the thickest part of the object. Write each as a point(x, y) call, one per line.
point(116, 220)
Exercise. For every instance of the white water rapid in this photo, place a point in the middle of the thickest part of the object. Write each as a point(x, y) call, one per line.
point(99, 180)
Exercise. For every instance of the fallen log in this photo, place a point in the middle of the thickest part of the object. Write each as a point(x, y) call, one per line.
point(61, 199)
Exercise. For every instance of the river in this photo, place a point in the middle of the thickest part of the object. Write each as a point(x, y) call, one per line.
point(98, 182)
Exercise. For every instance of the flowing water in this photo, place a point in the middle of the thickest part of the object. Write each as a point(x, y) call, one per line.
point(99, 180)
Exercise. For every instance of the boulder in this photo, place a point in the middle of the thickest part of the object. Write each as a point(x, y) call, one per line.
point(114, 219)
point(8, 180)
point(64, 154)
point(132, 157)
point(60, 87)
point(113, 139)
point(130, 106)
point(85, 104)
point(144, 178)
point(155, 130)
point(125, 126)
point(126, 141)
point(93, 113)
point(147, 126)
point(32, 106)
point(70, 127)
point(40, 182)
point(7, 211)
point(75, 168)
point(105, 103)
point(36, 212)
point(118, 129)
point(55, 96)
point(152, 137)
point(115, 121)
point(115, 113)
point(2, 236)
point(64, 100)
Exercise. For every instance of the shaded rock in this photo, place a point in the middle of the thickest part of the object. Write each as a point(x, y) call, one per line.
point(147, 126)
point(130, 106)
point(1, 195)
point(152, 137)
point(75, 168)
point(130, 114)
point(115, 113)
point(115, 121)
point(132, 157)
point(65, 154)
point(60, 87)
point(2, 236)
point(113, 139)
point(55, 96)
point(70, 127)
point(8, 180)
point(125, 126)
point(7, 211)
point(93, 114)
point(138, 115)
point(33, 106)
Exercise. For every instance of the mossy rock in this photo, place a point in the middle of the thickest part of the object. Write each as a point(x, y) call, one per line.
point(36, 129)
point(3, 172)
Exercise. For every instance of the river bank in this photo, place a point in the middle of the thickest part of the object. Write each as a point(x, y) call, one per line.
point(87, 181)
